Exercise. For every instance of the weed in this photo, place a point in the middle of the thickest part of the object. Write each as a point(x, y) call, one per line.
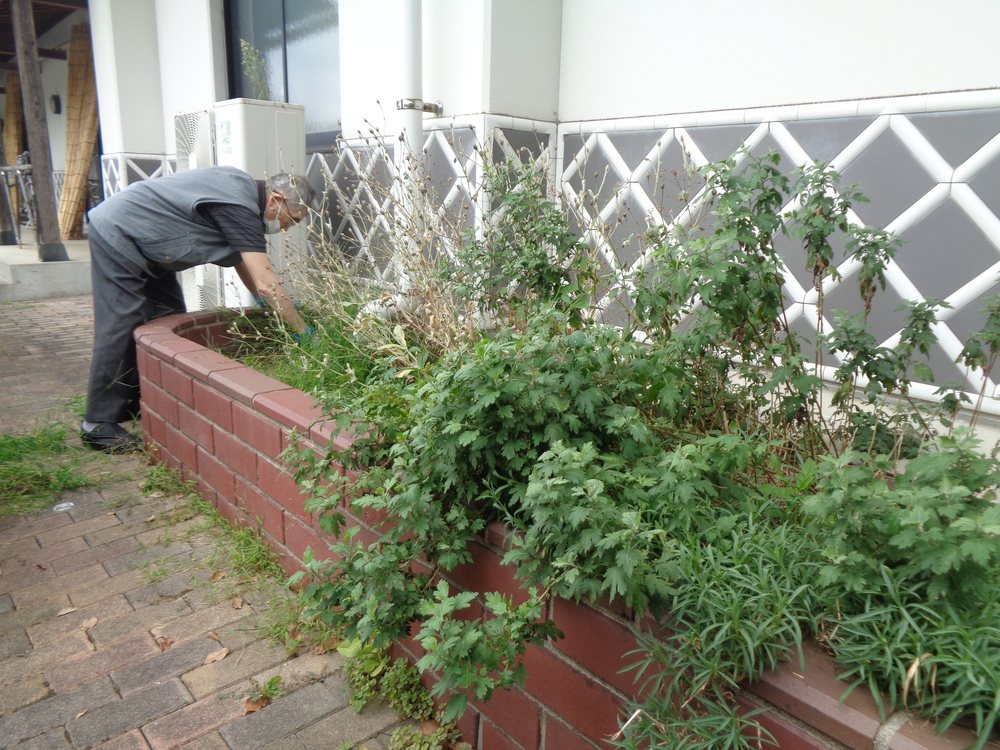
point(36, 467)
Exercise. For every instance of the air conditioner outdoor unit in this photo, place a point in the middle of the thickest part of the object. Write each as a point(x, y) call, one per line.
point(261, 138)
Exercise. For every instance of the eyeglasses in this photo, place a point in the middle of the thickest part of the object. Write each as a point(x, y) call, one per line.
point(298, 214)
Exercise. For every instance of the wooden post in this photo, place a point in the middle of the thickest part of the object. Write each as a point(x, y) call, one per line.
point(7, 234)
point(50, 246)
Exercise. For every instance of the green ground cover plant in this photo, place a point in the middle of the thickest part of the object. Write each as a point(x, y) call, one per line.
point(36, 466)
point(690, 463)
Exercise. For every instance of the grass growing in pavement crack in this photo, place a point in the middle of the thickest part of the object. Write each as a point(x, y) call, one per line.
point(36, 467)
point(241, 564)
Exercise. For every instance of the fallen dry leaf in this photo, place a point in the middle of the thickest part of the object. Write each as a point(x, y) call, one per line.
point(88, 624)
point(80, 714)
point(238, 602)
point(328, 645)
point(214, 636)
point(215, 656)
point(255, 705)
point(164, 643)
point(66, 611)
point(217, 576)
point(429, 727)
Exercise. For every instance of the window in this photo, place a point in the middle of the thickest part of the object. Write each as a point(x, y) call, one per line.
point(288, 51)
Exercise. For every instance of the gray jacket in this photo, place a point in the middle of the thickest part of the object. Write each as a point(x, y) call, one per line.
point(156, 224)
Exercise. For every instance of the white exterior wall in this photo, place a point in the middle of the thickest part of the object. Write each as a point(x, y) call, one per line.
point(454, 48)
point(646, 57)
point(192, 65)
point(479, 57)
point(54, 83)
point(126, 63)
point(521, 69)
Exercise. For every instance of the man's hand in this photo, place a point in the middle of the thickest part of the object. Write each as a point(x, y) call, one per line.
point(256, 273)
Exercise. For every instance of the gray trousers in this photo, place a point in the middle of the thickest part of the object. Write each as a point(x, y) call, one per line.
point(125, 297)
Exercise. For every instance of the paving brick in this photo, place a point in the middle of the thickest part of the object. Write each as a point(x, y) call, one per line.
point(14, 644)
point(43, 659)
point(240, 665)
point(54, 739)
point(133, 528)
point(10, 522)
point(140, 557)
point(29, 576)
point(66, 584)
point(106, 589)
point(346, 725)
point(101, 662)
point(126, 714)
point(55, 628)
point(220, 619)
point(110, 629)
point(23, 693)
point(193, 721)
point(167, 533)
point(168, 589)
point(16, 619)
point(12, 552)
point(282, 718)
point(211, 741)
point(128, 741)
point(57, 710)
point(35, 527)
point(33, 554)
point(164, 665)
point(95, 556)
point(69, 531)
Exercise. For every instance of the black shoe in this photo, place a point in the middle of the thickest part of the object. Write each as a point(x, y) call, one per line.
point(109, 437)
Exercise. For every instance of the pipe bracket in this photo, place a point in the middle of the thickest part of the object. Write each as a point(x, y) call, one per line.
point(435, 108)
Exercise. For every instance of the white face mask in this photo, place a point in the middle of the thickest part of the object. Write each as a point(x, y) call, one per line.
point(272, 227)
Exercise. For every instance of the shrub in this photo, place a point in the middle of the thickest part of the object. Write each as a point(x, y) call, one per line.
point(686, 463)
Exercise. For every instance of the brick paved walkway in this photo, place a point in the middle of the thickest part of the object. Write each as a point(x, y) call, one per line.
point(109, 616)
point(44, 359)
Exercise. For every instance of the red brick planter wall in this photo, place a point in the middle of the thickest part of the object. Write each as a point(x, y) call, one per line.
point(224, 426)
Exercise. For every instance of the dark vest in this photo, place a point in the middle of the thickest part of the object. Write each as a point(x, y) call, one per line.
point(158, 219)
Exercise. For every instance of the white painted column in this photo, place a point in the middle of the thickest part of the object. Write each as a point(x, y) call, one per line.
point(129, 96)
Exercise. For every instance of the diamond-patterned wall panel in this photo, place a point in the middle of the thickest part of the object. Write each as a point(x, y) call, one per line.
point(931, 177)
point(890, 177)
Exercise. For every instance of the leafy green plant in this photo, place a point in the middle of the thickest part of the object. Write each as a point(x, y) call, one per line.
point(255, 70)
point(427, 736)
point(690, 464)
point(371, 678)
point(936, 522)
point(365, 665)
